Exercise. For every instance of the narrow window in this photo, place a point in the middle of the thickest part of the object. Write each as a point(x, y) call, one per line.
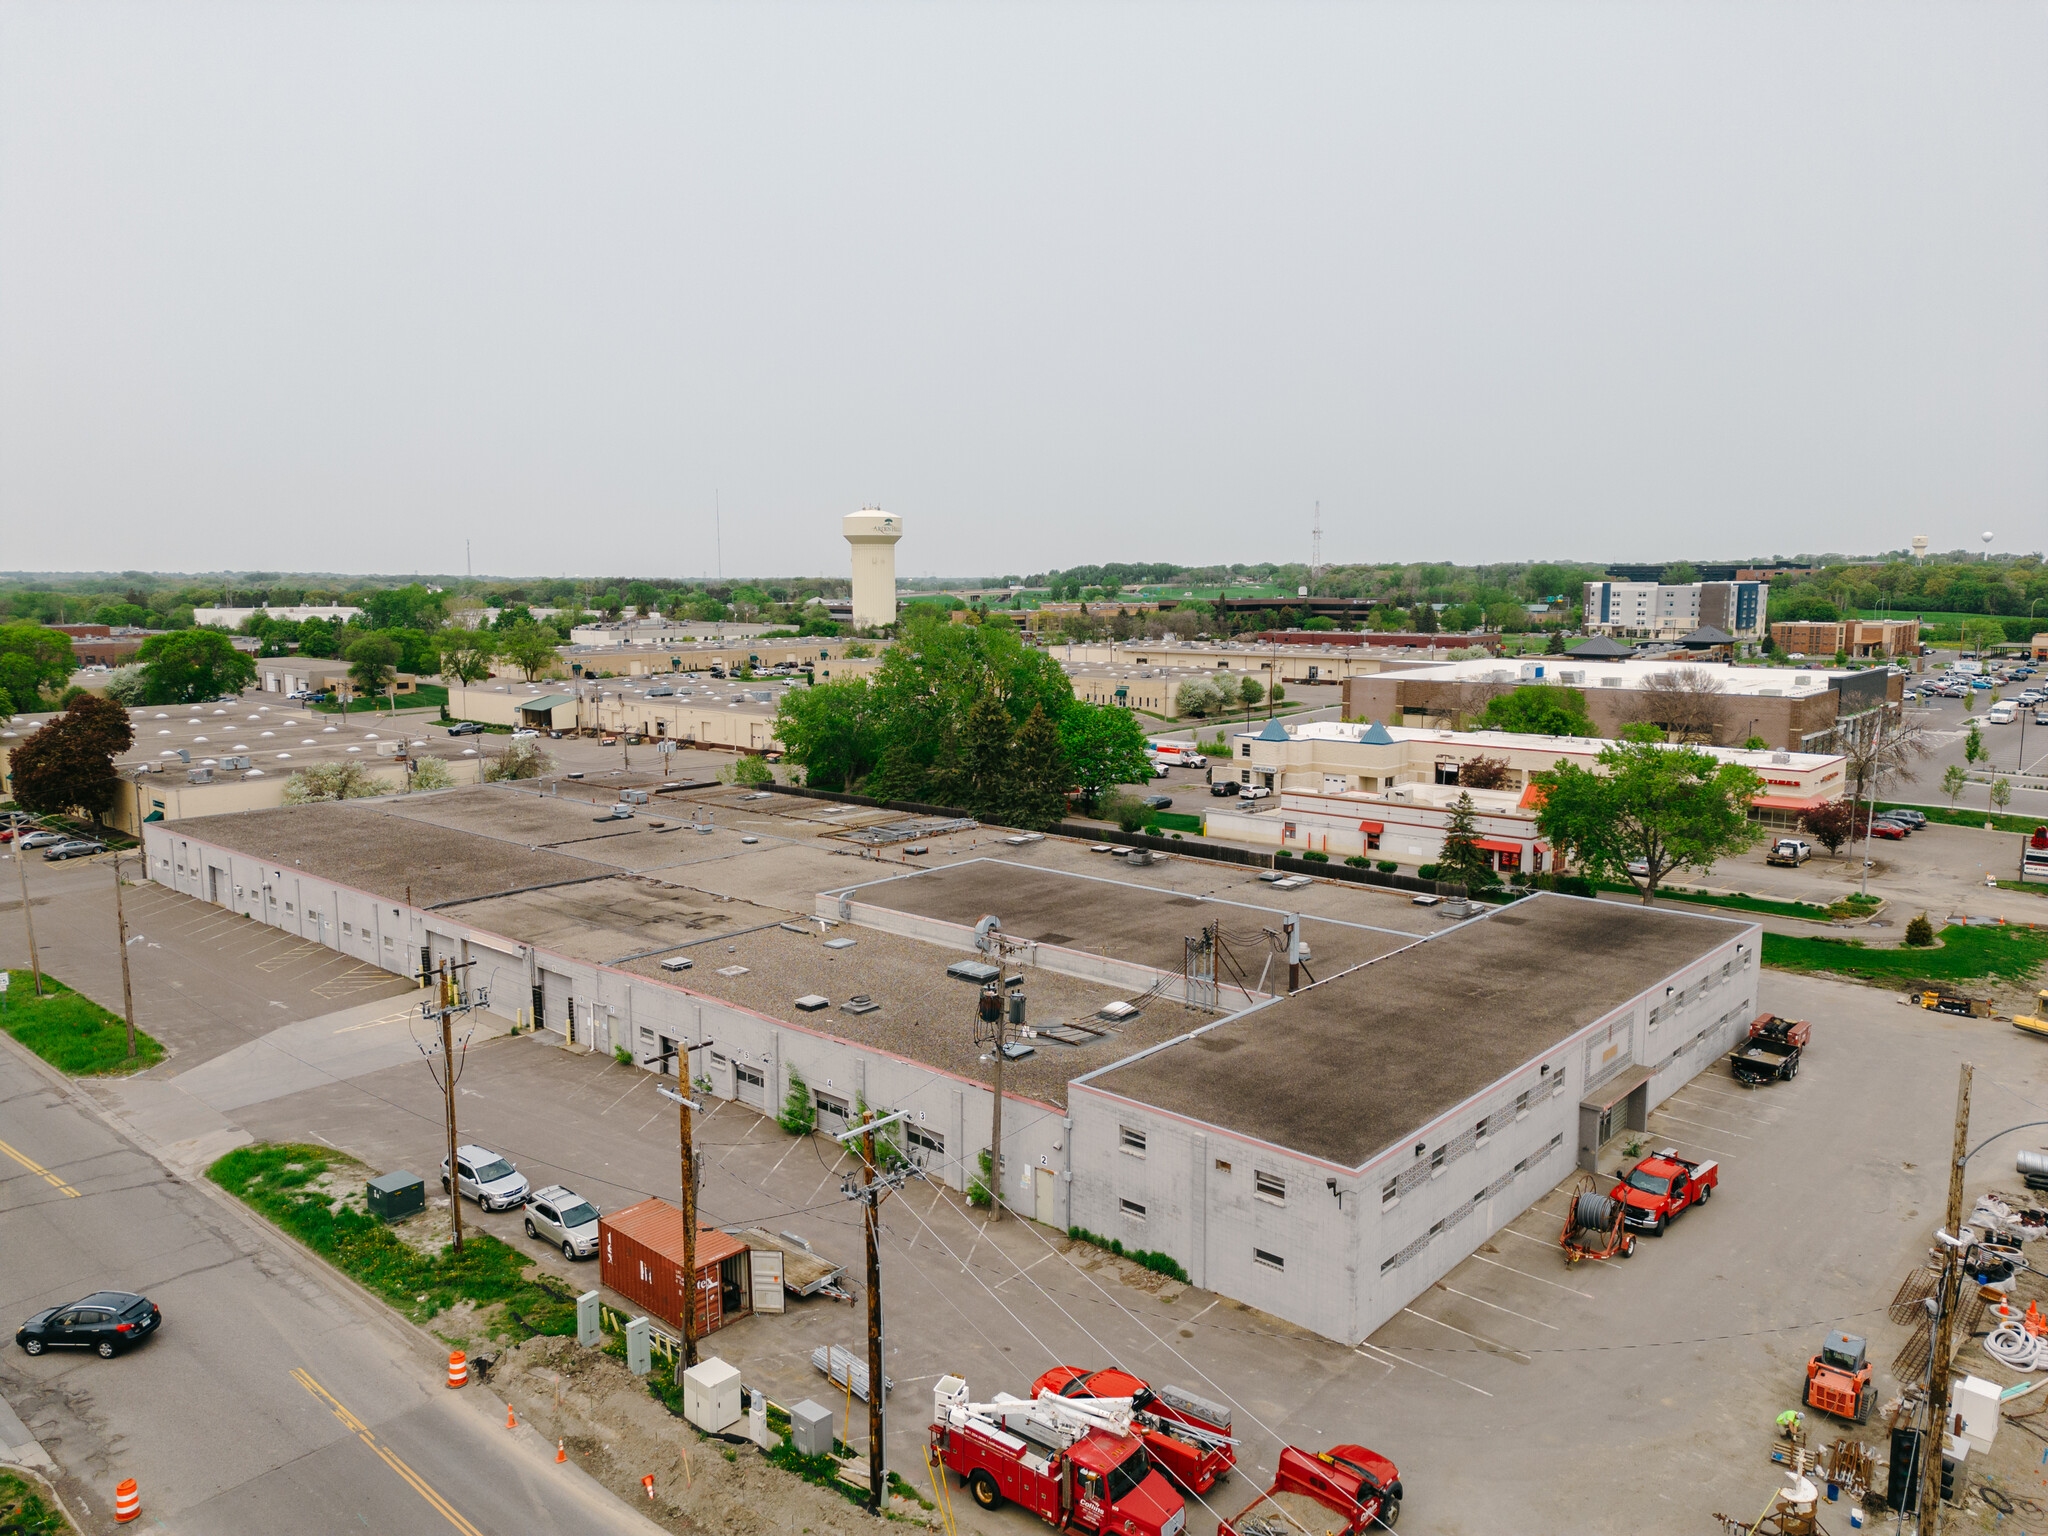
point(1132, 1209)
point(1484, 1129)
point(1389, 1262)
point(1521, 1103)
point(1269, 1186)
point(1436, 1161)
point(1133, 1141)
point(1270, 1260)
point(1390, 1192)
point(1222, 1166)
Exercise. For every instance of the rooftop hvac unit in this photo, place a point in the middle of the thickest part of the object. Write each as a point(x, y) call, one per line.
point(1803, 680)
point(1610, 682)
point(1781, 757)
point(1770, 693)
point(1574, 679)
point(234, 762)
point(633, 796)
point(1532, 671)
point(200, 776)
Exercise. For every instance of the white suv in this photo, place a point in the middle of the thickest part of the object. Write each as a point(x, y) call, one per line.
point(564, 1218)
point(486, 1178)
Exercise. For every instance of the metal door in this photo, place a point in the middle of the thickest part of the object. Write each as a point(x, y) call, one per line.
point(1045, 1188)
point(767, 1281)
point(554, 999)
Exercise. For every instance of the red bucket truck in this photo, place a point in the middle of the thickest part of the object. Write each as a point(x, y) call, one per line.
point(1188, 1436)
point(1076, 1464)
point(1345, 1491)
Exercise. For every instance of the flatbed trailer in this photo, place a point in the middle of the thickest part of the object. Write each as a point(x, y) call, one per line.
point(1771, 1051)
point(1344, 1491)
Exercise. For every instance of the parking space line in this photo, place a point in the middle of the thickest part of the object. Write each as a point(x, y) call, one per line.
point(1511, 1312)
point(1696, 1146)
point(1715, 1109)
point(1479, 1338)
point(1547, 1242)
point(1383, 1350)
point(1718, 1130)
point(1483, 1259)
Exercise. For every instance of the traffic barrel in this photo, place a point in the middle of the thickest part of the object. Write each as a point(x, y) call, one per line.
point(127, 1501)
point(561, 1455)
point(458, 1369)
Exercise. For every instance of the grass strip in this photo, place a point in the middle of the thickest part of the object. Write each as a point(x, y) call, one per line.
point(423, 696)
point(1174, 821)
point(1956, 816)
point(272, 1179)
point(2010, 954)
point(23, 1511)
point(1811, 911)
point(72, 1033)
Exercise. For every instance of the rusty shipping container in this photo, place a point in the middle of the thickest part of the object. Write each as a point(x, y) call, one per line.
point(640, 1255)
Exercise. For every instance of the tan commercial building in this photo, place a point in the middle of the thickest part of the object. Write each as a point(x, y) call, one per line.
point(741, 717)
point(641, 660)
point(1793, 710)
point(1321, 663)
point(1352, 790)
point(1856, 637)
point(287, 675)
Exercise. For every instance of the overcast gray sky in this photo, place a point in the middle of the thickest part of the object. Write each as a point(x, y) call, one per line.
point(340, 285)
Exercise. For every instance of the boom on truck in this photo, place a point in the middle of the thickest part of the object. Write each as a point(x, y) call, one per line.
point(1078, 1464)
point(1187, 1436)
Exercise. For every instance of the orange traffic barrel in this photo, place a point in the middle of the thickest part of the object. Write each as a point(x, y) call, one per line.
point(127, 1501)
point(458, 1369)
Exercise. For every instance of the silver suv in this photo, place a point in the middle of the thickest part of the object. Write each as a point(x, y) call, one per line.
point(564, 1218)
point(483, 1176)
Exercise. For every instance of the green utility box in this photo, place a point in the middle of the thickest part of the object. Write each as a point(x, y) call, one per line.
point(395, 1195)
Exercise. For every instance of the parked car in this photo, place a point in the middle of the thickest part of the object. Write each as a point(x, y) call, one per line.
point(2041, 717)
point(489, 1180)
point(1913, 819)
point(1662, 1186)
point(525, 733)
point(104, 1322)
point(1157, 802)
point(609, 741)
point(1253, 792)
point(465, 728)
point(1223, 787)
point(45, 839)
point(1894, 830)
point(1640, 868)
point(1790, 852)
point(76, 847)
point(564, 1218)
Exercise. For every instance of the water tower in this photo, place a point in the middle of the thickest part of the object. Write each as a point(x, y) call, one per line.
point(873, 535)
point(1919, 548)
point(1987, 545)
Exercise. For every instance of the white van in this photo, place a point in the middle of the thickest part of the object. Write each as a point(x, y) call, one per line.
point(2004, 714)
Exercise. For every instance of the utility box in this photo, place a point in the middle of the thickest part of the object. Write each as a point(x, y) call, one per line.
point(810, 1429)
point(638, 1359)
point(1976, 1404)
point(589, 1325)
point(711, 1395)
point(391, 1196)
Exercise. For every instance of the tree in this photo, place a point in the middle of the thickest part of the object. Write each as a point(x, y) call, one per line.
point(1831, 824)
point(1973, 745)
point(1879, 748)
point(1683, 574)
point(1689, 703)
point(332, 781)
point(1920, 932)
point(466, 657)
point(1953, 779)
point(1462, 858)
point(125, 685)
point(799, 1114)
point(1198, 697)
point(1249, 691)
point(528, 647)
point(69, 763)
point(1657, 807)
point(521, 760)
point(189, 666)
point(430, 773)
point(1756, 744)
point(1536, 710)
point(989, 765)
point(372, 665)
point(1554, 646)
point(1101, 746)
point(1979, 633)
point(2001, 792)
point(1127, 811)
point(750, 771)
point(33, 661)
point(1039, 789)
point(833, 731)
point(1483, 773)
point(317, 639)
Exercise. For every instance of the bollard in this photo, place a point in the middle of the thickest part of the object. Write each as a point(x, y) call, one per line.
point(458, 1369)
point(127, 1501)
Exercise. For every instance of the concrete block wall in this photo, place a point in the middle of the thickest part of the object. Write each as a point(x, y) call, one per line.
point(615, 1008)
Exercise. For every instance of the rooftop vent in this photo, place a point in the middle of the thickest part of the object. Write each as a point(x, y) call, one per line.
point(810, 1002)
point(973, 970)
point(1803, 680)
point(678, 963)
point(1610, 682)
point(840, 943)
point(1781, 757)
point(860, 1002)
point(1116, 1011)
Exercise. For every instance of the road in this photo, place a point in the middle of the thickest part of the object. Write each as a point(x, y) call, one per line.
point(274, 1399)
point(2015, 750)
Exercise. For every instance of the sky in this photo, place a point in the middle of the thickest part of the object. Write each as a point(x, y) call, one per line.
point(669, 288)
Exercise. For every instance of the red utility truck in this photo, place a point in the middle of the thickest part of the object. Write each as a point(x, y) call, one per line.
point(1188, 1437)
point(1662, 1185)
point(1075, 1463)
point(1360, 1488)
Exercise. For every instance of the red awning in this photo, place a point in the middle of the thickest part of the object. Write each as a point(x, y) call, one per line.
point(1497, 845)
point(1532, 798)
point(1374, 827)
point(1788, 802)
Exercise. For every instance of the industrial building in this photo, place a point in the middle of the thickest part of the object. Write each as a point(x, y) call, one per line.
point(1791, 710)
point(1349, 790)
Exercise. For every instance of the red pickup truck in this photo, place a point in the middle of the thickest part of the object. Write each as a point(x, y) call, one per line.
point(1361, 1488)
point(1187, 1436)
point(1662, 1185)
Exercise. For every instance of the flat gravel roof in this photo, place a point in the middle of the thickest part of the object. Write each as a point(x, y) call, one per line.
point(1342, 1070)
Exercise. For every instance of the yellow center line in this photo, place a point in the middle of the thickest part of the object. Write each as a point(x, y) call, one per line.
point(418, 1484)
point(389, 1018)
point(35, 1167)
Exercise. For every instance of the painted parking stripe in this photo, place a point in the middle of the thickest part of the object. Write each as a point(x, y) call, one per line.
point(1555, 1285)
point(1381, 1349)
point(1718, 1130)
point(1478, 1338)
point(1511, 1312)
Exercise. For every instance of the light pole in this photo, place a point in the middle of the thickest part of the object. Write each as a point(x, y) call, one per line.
point(121, 925)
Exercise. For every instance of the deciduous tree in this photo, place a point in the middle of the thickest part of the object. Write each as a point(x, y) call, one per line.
point(192, 665)
point(1659, 808)
point(1535, 710)
point(69, 763)
point(1688, 703)
point(1831, 824)
point(332, 781)
point(528, 647)
point(1101, 746)
point(372, 665)
point(33, 661)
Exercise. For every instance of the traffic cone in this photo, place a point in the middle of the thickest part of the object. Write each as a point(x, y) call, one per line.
point(127, 1501)
point(511, 1422)
point(647, 1482)
point(560, 1454)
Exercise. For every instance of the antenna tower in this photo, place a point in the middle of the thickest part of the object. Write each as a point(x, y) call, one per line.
point(1315, 551)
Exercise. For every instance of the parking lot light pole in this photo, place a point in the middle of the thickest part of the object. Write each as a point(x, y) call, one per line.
point(35, 965)
point(121, 925)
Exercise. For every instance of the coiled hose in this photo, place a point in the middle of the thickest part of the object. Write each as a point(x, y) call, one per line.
point(2012, 1345)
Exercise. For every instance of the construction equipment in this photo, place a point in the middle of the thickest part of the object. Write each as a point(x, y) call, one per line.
point(1943, 1000)
point(1077, 1463)
point(2035, 1023)
point(1593, 1224)
point(1187, 1436)
point(1360, 1488)
point(1770, 1051)
point(1838, 1379)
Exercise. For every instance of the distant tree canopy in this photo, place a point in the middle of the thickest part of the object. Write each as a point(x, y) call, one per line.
point(33, 662)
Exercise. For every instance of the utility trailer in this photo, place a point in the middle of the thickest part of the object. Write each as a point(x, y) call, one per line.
point(804, 1273)
point(1344, 1491)
point(1771, 1050)
point(1188, 1436)
point(1077, 1464)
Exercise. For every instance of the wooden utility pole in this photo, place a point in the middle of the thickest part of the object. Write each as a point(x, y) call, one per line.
point(35, 966)
point(869, 1219)
point(448, 1096)
point(995, 1135)
point(688, 1173)
point(1945, 1321)
point(127, 991)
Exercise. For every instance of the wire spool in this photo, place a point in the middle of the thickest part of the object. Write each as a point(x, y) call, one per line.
point(1597, 1213)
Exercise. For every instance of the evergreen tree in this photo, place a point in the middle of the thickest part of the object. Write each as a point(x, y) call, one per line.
point(897, 776)
point(1039, 787)
point(1463, 859)
point(987, 759)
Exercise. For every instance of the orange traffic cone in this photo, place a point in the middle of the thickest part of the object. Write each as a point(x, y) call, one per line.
point(647, 1482)
point(2037, 1320)
point(127, 1501)
point(511, 1421)
point(560, 1454)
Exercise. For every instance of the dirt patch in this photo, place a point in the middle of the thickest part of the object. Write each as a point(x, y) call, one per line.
point(617, 1433)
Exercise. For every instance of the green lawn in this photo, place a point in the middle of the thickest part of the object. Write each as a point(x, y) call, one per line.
point(1173, 821)
point(423, 696)
point(272, 1177)
point(74, 1034)
point(2010, 954)
point(1957, 816)
point(24, 1511)
point(1734, 900)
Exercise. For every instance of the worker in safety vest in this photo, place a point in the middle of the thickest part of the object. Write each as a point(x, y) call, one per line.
point(1789, 1422)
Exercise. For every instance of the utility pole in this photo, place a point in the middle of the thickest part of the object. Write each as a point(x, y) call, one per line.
point(1945, 1320)
point(870, 1191)
point(35, 966)
point(687, 1183)
point(449, 1001)
point(127, 991)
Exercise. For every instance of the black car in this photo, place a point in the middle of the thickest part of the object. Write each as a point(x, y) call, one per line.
point(1157, 802)
point(465, 728)
point(1224, 787)
point(105, 1321)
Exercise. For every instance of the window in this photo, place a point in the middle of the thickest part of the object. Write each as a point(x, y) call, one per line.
point(347, 929)
point(1656, 1014)
point(1436, 1229)
point(1270, 1260)
point(1269, 1186)
point(1389, 1262)
point(1132, 1209)
point(1132, 1141)
point(1222, 1166)
point(1244, 749)
point(387, 941)
point(1484, 1127)
point(287, 908)
point(1390, 1192)
point(1521, 1103)
point(931, 1141)
point(717, 1060)
point(1436, 1161)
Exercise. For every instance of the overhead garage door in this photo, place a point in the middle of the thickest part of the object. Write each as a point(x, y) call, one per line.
point(751, 1083)
point(554, 1000)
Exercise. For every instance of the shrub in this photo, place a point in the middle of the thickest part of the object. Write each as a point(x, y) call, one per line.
point(1283, 853)
point(331, 781)
point(977, 1189)
point(799, 1114)
point(521, 760)
point(751, 771)
point(1386, 866)
point(1920, 932)
point(1145, 1258)
point(1426, 871)
point(1357, 861)
point(623, 1055)
point(1573, 885)
point(1125, 811)
point(1316, 857)
point(431, 773)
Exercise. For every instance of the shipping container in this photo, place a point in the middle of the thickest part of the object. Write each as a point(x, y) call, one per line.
point(640, 1255)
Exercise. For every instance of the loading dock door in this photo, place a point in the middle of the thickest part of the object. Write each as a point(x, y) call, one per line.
point(1621, 1103)
point(554, 1000)
point(752, 1085)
